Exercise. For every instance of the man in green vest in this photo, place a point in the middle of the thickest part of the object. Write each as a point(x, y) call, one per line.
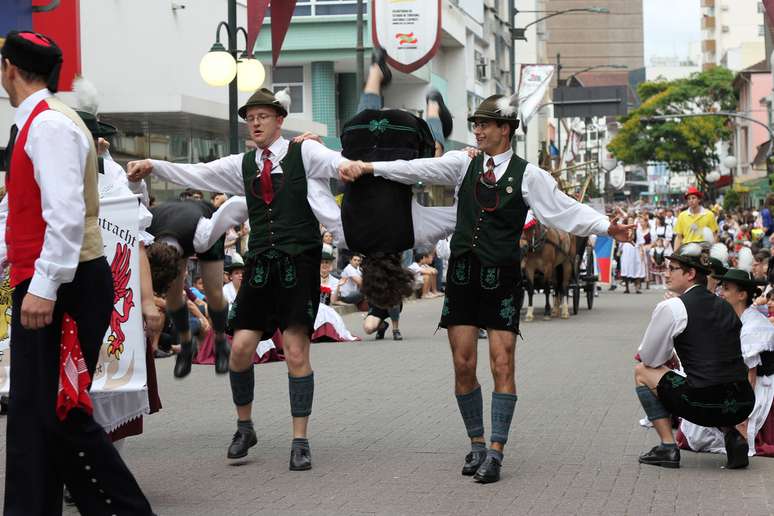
point(494, 191)
point(287, 191)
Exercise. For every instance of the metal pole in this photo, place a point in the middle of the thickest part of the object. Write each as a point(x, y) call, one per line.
point(559, 120)
point(359, 50)
point(233, 124)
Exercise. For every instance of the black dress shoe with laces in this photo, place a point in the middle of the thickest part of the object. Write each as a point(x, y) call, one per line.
point(221, 355)
point(473, 461)
point(300, 458)
point(664, 457)
point(489, 471)
point(443, 112)
point(736, 450)
point(243, 440)
point(183, 360)
point(379, 56)
point(381, 330)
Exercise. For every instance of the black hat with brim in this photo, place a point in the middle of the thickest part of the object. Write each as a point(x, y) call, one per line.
point(263, 97)
point(693, 255)
point(497, 108)
point(36, 53)
point(718, 269)
point(98, 129)
point(739, 277)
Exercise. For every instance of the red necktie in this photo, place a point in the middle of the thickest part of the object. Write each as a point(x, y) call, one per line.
point(267, 192)
point(489, 175)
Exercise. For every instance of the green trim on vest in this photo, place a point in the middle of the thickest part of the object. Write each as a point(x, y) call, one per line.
point(287, 224)
point(492, 235)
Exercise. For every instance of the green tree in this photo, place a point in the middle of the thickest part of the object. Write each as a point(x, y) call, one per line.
point(684, 145)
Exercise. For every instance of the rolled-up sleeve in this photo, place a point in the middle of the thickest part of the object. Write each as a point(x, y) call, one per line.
point(556, 209)
point(668, 321)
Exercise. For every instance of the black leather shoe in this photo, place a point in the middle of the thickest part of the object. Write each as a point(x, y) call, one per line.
point(221, 355)
point(300, 458)
point(443, 112)
point(473, 461)
point(489, 471)
point(379, 56)
point(664, 457)
point(183, 360)
point(243, 440)
point(381, 330)
point(736, 450)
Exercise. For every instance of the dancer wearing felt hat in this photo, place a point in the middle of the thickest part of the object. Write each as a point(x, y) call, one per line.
point(494, 192)
point(286, 185)
point(703, 330)
point(62, 301)
point(739, 289)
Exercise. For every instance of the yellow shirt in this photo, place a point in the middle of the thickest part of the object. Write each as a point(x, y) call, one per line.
point(691, 226)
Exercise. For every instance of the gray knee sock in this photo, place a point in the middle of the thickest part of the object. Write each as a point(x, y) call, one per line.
point(503, 406)
point(219, 318)
point(472, 410)
point(242, 386)
point(654, 409)
point(179, 317)
point(301, 391)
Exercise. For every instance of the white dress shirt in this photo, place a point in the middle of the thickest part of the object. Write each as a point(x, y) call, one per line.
point(58, 150)
point(225, 175)
point(757, 336)
point(539, 190)
point(669, 320)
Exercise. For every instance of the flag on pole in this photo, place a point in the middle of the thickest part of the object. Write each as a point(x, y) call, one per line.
point(256, 11)
point(603, 251)
point(281, 13)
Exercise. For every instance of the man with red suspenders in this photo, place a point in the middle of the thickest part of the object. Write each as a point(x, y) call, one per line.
point(62, 300)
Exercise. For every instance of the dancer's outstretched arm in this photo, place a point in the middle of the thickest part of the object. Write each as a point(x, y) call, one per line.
point(231, 213)
point(222, 175)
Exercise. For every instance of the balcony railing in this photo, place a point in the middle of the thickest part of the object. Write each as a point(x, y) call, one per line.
point(708, 22)
point(708, 3)
point(708, 45)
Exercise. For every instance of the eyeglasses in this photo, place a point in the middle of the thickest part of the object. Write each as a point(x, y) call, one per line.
point(479, 125)
point(673, 268)
point(258, 118)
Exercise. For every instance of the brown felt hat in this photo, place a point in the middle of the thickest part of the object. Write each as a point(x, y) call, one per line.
point(263, 97)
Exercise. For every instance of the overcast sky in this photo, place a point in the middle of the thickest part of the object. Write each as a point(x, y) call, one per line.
point(670, 27)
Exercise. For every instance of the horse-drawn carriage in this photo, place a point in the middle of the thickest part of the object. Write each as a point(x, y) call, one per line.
point(552, 259)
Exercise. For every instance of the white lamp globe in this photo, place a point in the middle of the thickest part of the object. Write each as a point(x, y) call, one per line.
point(713, 176)
point(609, 164)
point(217, 67)
point(730, 163)
point(250, 74)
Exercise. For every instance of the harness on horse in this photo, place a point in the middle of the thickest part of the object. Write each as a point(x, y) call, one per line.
point(539, 236)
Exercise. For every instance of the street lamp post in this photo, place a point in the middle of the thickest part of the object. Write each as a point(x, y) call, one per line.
point(221, 66)
point(520, 33)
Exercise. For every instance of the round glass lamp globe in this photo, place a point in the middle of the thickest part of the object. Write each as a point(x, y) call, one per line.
point(250, 75)
point(729, 162)
point(217, 68)
point(712, 177)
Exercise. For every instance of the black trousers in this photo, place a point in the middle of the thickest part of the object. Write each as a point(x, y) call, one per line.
point(42, 453)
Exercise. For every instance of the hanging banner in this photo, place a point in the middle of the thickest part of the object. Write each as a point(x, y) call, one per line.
point(408, 30)
point(118, 387)
point(533, 84)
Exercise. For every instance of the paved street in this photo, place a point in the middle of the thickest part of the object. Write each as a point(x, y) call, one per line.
point(387, 437)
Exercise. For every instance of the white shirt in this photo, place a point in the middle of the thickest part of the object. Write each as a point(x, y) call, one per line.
point(757, 336)
point(58, 150)
point(669, 320)
point(350, 288)
point(539, 190)
point(229, 292)
point(225, 175)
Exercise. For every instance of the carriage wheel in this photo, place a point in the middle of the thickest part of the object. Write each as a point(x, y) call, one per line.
point(575, 285)
point(590, 295)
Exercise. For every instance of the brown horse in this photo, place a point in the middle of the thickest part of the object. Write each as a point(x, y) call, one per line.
point(552, 252)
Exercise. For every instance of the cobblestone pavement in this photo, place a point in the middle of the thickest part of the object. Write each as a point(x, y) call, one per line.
point(387, 438)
